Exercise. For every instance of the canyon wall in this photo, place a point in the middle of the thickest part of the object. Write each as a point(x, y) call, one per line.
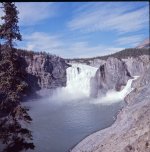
point(137, 65)
point(44, 71)
point(114, 73)
point(111, 75)
point(131, 131)
point(49, 71)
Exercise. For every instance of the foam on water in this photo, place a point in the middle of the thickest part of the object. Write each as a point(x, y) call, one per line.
point(117, 96)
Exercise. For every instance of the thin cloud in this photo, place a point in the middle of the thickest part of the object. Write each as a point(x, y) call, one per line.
point(133, 40)
point(31, 13)
point(83, 49)
point(35, 12)
point(39, 41)
point(119, 17)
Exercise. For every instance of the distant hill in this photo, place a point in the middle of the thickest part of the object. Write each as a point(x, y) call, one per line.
point(30, 53)
point(130, 52)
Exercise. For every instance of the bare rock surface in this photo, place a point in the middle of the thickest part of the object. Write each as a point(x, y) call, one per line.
point(112, 75)
point(46, 71)
point(142, 88)
point(131, 131)
point(136, 66)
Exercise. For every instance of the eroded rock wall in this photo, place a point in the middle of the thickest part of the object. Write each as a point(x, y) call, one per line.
point(136, 66)
point(114, 73)
point(45, 71)
point(111, 75)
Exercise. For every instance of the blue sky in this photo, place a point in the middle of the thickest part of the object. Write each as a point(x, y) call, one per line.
point(82, 29)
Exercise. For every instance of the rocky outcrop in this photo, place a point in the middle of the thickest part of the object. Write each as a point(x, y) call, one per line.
point(136, 66)
point(142, 88)
point(45, 71)
point(131, 131)
point(112, 75)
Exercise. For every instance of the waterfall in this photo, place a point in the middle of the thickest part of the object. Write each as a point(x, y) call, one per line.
point(78, 83)
point(78, 79)
point(127, 89)
point(116, 96)
point(79, 86)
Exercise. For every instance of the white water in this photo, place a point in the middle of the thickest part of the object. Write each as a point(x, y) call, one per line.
point(78, 86)
point(116, 96)
point(78, 82)
point(78, 79)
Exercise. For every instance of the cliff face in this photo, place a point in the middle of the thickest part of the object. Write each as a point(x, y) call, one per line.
point(114, 73)
point(136, 66)
point(41, 69)
point(131, 131)
point(142, 88)
point(111, 75)
point(45, 71)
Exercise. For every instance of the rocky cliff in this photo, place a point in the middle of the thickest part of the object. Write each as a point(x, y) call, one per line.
point(137, 65)
point(43, 70)
point(46, 71)
point(111, 75)
point(114, 73)
point(131, 131)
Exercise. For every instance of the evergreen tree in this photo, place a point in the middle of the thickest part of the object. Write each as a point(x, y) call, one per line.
point(9, 30)
point(12, 87)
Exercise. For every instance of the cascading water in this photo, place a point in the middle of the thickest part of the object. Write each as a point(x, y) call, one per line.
point(78, 86)
point(78, 79)
point(78, 82)
point(116, 96)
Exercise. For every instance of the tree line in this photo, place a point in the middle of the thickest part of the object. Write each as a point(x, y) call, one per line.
point(130, 52)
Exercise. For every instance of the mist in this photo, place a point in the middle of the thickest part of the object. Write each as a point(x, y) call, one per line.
point(64, 116)
point(78, 88)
